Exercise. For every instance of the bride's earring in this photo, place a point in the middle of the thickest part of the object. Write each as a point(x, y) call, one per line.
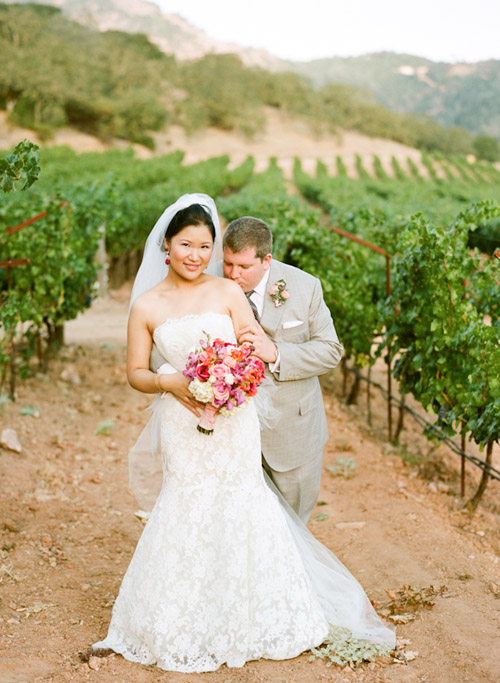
point(167, 260)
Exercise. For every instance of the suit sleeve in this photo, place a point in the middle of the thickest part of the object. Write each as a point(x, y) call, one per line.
point(320, 353)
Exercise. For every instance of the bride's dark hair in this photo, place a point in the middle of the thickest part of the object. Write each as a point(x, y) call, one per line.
point(195, 214)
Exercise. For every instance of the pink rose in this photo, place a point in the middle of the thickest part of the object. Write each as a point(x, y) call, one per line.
point(273, 290)
point(203, 372)
point(221, 392)
point(218, 371)
point(229, 362)
point(285, 294)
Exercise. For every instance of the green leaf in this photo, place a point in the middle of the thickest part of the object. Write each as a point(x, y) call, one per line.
point(19, 170)
point(321, 516)
point(105, 427)
point(30, 410)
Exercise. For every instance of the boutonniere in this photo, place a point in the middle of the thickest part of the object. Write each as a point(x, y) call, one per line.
point(278, 293)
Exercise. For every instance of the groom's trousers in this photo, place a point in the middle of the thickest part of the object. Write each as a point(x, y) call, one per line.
point(300, 486)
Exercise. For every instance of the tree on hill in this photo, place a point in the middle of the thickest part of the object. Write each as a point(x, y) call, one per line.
point(487, 148)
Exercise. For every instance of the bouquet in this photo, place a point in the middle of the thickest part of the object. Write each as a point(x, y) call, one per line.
point(223, 376)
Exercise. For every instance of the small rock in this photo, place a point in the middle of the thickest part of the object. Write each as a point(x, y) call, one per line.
point(350, 525)
point(85, 407)
point(94, 663)
point(411, 655)
point(9, 525)
point(85, 587)
point(47, 541)
point(401, 675)
point(432, 487)
point(13, 621)
point(143, 515)
point(10, 440)
point(70, 375)
point(402, 642)
point(442, 487)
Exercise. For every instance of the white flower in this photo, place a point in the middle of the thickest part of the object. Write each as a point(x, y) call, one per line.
point(201, 390)
point(229, 378)
point(233, 411)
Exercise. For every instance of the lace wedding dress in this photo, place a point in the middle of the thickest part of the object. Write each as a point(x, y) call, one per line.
point(222, 573)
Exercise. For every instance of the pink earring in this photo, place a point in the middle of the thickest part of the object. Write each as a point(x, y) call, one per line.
point(167, 260)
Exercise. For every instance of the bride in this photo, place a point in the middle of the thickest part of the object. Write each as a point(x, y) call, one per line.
point(224, 571)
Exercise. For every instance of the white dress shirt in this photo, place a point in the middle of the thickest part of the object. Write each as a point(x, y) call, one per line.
point(257, 297)
point(259, 292)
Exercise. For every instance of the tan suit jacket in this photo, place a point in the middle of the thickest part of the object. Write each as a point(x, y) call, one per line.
point(303, 330)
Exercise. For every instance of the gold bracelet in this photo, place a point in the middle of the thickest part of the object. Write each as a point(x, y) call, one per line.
point(157, 382)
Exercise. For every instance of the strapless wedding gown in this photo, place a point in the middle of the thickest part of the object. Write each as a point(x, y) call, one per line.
point(222, 572)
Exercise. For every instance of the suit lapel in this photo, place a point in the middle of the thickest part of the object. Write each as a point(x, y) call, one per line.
point(271, 314)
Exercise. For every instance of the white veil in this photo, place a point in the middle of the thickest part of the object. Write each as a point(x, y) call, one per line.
point(153, 268)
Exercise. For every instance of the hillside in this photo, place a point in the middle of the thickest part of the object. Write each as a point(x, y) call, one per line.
point(282, 138)
point(459, 94)
point(170, 32)
point(121, 85)
point(464, 95)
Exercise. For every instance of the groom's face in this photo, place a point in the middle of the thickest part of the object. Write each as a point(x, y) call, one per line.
point(244, 267)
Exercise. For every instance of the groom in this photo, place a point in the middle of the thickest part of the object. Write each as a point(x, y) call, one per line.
point(293, 333)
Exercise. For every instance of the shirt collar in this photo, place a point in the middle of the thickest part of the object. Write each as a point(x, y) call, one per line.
point(261, 287)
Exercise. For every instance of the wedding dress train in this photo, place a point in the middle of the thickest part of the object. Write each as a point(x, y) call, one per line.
point(223, 572)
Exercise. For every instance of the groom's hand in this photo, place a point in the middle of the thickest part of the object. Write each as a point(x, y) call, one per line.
point(265, 348)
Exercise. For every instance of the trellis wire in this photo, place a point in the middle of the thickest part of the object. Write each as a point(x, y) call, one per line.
point(430, 427)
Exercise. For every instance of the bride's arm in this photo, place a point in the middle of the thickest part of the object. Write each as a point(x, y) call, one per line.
point(239, 308)
point(248, 329)
point(139, 344)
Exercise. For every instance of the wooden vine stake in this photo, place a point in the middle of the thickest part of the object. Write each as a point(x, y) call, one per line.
point(462, 469)
point(400, 424)
point(368, 396)
point(101, 258)
point(474, 501)
point(12, 366)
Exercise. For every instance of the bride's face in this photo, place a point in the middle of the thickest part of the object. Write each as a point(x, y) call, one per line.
point(190, 251)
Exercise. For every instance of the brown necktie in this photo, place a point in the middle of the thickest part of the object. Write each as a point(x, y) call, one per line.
point(252, 305)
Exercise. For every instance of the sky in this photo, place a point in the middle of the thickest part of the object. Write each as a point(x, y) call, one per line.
point(441, 30)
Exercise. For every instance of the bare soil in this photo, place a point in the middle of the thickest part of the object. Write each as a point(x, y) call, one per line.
point(283, 138)
point(68, 529)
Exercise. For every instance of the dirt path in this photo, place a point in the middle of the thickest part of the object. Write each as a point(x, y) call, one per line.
point(68, 530)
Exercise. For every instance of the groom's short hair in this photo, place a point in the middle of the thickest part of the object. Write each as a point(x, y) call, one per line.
point(246, 232)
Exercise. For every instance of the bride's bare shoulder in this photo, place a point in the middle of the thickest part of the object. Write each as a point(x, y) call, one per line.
point(223, 285)
point(144, 305)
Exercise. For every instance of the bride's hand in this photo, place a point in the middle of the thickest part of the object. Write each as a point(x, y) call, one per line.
point(178, 385)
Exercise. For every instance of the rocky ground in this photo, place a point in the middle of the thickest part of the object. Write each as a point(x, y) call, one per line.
point(393, 515)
